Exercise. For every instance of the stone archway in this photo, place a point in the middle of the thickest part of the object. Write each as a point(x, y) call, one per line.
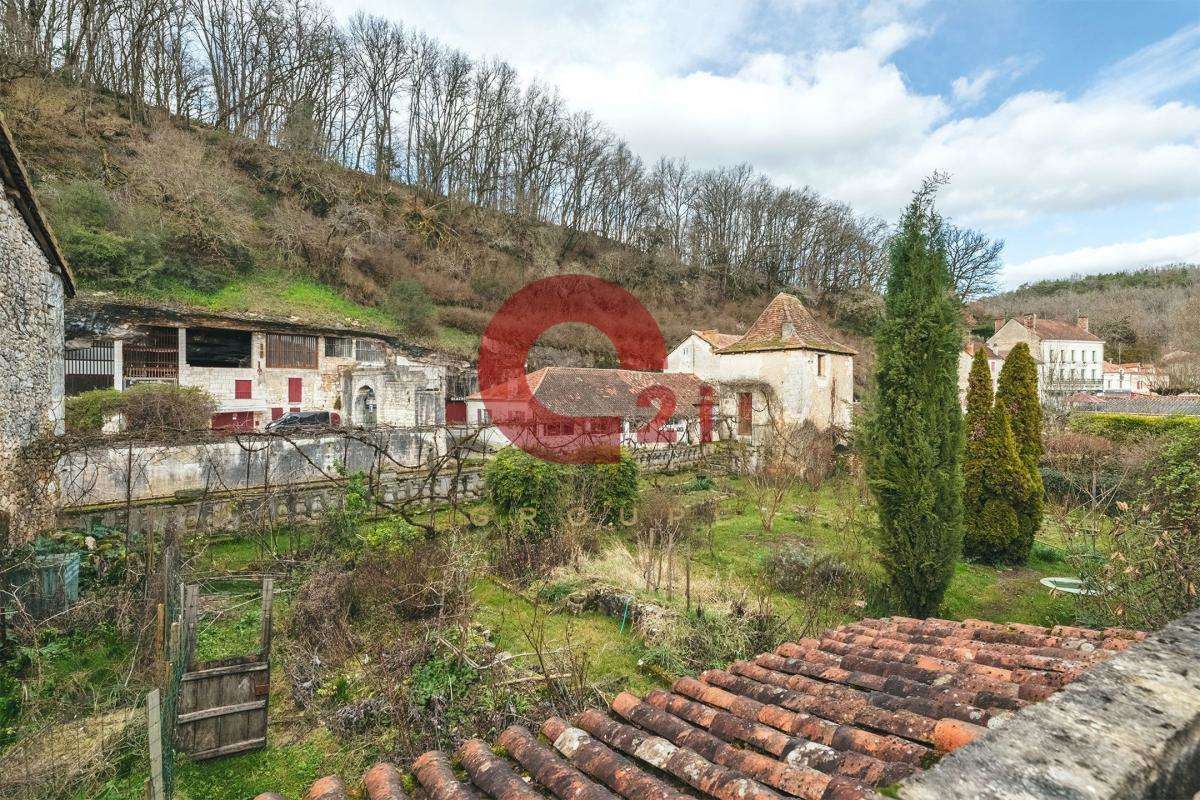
point(365, 410)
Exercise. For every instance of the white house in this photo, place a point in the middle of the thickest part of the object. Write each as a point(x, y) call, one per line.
point(1134, 378)
point(1070, 357)
point(257, 369)
point(966, 357)
point(786, 369)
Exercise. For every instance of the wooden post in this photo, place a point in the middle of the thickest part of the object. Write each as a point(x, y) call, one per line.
point(268, 596)
point(154, 724)
point(191, 607)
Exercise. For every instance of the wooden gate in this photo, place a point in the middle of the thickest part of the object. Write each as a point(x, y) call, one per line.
point(222, 707)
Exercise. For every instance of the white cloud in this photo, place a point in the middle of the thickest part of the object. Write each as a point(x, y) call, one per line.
point(1108, 258)
point(971, 90)
point(1156, 70)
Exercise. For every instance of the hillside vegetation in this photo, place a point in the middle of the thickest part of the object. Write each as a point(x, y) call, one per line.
point(172, 211)
point(1142, 314)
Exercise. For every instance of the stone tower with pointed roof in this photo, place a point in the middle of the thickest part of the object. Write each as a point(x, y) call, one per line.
point(785, 369)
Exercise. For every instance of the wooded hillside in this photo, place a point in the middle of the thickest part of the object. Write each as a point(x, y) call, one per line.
point(1142, 314)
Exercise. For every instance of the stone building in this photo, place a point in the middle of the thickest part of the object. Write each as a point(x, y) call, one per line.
point(785, 370)
point(34, 280)
point(966, 358)
point(1069, 356)
point(257, 369)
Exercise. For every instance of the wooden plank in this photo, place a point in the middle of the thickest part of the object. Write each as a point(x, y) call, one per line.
point(268, 597)
point(154, 720)
point(204, 674)
point(206, 713)
point(228, 749)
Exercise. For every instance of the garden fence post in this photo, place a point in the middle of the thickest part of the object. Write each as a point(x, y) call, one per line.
point(154, 720)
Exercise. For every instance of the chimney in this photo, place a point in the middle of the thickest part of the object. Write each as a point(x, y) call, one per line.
point(1029, 321)
point(998, 323)
point(1082, 322)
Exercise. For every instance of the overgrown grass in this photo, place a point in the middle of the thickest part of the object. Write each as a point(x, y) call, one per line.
point(614, 655)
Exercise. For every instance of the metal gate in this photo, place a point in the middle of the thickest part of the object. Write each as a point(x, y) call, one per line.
point(222, 706)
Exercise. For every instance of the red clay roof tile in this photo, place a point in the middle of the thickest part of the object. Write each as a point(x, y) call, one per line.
point(826, 718)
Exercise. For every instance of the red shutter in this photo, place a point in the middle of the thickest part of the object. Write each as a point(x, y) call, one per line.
point(295, 390)
point(241, 390)
point(276, 413)
point(745, 414)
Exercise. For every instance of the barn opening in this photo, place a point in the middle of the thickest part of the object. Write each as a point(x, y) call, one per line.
point(213, 347)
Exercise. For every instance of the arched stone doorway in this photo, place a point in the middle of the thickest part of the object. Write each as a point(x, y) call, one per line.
point(365, 410)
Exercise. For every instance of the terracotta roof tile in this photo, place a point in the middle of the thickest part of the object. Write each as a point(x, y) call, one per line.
point(716, 338)
point(587, 391)
point(785, 324)
point(826, 718)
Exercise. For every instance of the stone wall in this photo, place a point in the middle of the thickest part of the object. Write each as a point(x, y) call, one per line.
point(122, 472)
point(254, 510)
point(31, 359)
point(1127, 729)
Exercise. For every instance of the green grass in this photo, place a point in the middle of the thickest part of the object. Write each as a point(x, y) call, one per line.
point(614, 655)
point(278, 294)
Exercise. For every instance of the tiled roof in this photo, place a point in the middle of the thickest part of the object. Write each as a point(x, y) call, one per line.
point(1057, 329)
point(974, 344)
point(716, 338)
point(1150, 405)
point(586, 391)
point(803, 332)
point(864, 706)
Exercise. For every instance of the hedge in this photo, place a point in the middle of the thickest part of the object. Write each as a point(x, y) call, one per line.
point(1123, 427)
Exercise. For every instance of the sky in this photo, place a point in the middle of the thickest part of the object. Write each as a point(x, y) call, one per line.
point(1071, 130)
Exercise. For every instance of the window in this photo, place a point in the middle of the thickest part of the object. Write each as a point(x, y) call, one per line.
point(370, 352)
point(290, 350)
point(152, 355)
point(89, 368)
point(212, 347)
point(820, 365)
point(295, 390)
point(339, 347)
point(242, 390)
point(483, 416)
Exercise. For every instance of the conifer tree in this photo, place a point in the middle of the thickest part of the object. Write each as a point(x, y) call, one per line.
point(979, 410)
point(992, 533)
point(1017, 392)
point(914, 437)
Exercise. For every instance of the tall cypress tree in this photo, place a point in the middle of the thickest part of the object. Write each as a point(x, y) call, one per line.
point(991, 530)
point(914, 437)
point(1017, 392)
point(980, 398)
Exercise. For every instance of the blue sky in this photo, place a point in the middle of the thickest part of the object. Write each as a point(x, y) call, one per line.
point(1070, 129)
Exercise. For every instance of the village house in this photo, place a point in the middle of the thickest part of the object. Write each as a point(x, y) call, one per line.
point(1134, 378)
point(34, 281)
point(1069, 356)
point(785, 370)
point(966, 358)
point(257, 369)
point(596, 401)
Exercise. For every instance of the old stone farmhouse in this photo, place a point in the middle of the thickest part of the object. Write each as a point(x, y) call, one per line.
point(785, 370)
point(1070, 357)
point(34, 280)
point(258, 369)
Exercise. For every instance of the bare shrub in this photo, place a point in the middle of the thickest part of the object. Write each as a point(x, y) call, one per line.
point(665, 533)
point(789, 457)
point(429, 579)
point(164, 409)
point(320, 615)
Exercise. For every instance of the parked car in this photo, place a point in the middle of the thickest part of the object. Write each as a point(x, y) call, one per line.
point(305, 420)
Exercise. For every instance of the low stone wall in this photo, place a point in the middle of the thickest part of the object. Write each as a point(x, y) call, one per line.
point(295, 504)
point(1127, 729)
point(119, 473)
